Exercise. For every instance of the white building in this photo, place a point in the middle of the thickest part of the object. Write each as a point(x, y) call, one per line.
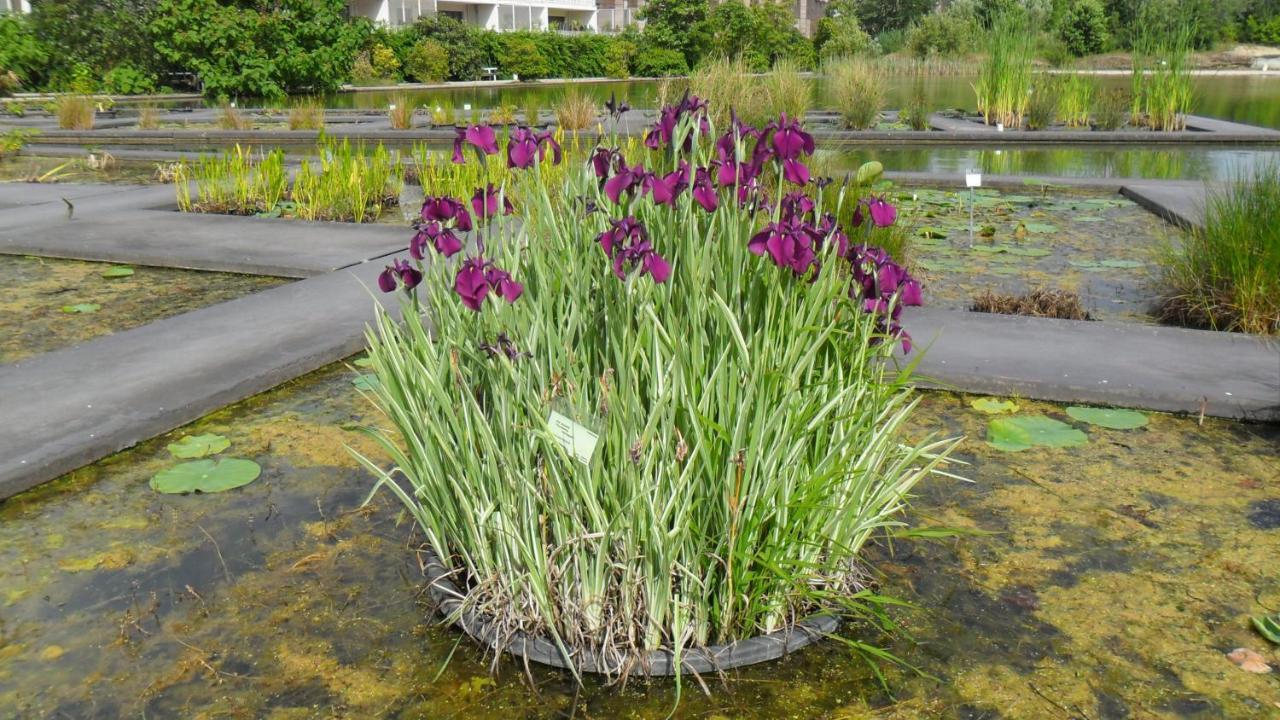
point(510, 15)
point(15, 5)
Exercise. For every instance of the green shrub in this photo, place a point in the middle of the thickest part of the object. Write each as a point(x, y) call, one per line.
point(1226, 276)
point(1263, 32)
point(128, 80)
point(384, 61)
point(468, 51)
point(428, 62)
point(8, 82)
point(891, 41)
point(659, 62)
point(942, 33)
point(21, 51)
point(842, 37)
point(617, 61)
point(1083, 27)
point(519, 55)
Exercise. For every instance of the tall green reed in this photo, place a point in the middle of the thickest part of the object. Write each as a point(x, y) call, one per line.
point(1076, 95)
point(857, 91)
point(1004, 78)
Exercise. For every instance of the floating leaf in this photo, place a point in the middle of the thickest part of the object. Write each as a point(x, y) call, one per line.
point(869, 172)
point(1041, 228)
point(206, 476)
point(932, 232)
point(198, 446)
point(363, 362)
point(1108, 418)
point(1015, 434)
point(1125, 264)
point(1269, 627)
point(1025, 251)
point(367, 381)
point(117, 271)
point(1089, 218)
point(987, 231)
point(992, 406)
point(81, 308)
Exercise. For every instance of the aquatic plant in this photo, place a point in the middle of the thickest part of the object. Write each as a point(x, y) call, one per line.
point(442, 114)
point(229, 118)
point(75, 112)
point(915, 113)
point(1112, 110)
point(594, 434)
point(785, 90)
point(1167, 91)
point(1004, 79)
point(856, 90)
point(574, 110)
point(1075, 99)
point(1226, 274)
point(502, 115)
point(400, 112)
point(1041, 302)
point(306, 114)
point(728, 86)
point(1042, 104)
point(148, 117)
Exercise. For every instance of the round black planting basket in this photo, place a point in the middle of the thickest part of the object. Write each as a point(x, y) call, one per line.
point(711, 659)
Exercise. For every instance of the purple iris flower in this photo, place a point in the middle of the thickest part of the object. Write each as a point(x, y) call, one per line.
point(546, 137)
point(485, 203)
point(796, 205)
point(602, 160)
point(444, 209)
point(789, 243)
point(667, 188)
point(399, 273)
point(703, 192)
point(877, 279)
point(789, 140)
point(625, 180)
point(522, 148)
point(481, 137)
point(616, 109)
point(882, 213)
point(664, 129)
point(441, 238)
point(626, 242)
point(477, 278)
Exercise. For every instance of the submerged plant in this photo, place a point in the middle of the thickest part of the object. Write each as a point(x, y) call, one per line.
point(1226, 275)
point(691, 491)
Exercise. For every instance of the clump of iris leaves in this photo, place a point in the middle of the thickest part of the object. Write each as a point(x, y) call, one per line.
point(736, 350)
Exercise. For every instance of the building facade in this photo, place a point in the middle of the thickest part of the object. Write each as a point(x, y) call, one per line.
point(501, 16)
point(15, 6)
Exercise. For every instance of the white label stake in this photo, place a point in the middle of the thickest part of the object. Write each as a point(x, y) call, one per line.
point(574, 438)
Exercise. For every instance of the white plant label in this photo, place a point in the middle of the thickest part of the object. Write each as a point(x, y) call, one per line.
point(973, 179)
point(574, 438)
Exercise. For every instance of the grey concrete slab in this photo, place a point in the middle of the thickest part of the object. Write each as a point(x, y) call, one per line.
point(1117, 364)
point(92, 206)
point(1200, 123)
point(64, 409)
point(1181, 203)
point(257, 246)
point(16, 194)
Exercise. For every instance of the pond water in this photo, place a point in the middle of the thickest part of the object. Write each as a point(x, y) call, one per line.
point(101, 169)
point(1251, 99)
point(1099, 245)
point(47, 304)
point(1105, 581)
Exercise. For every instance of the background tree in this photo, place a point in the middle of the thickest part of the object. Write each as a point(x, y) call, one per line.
point(678, 25)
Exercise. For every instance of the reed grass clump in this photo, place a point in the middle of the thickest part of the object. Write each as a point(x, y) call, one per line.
point(720, 498)
point(442, 114)
point(532, 111)
point(1112, 110)
point(236, 182)
point(148, 117)
point(1076, 95)
point(785, 89)
point(230, 118)
point(575, 110)
point(1042, 104)
point(306, 115)
point(75, 112)
point(1168, 91)
point(400, 113)
point(728, 86)
point(915, 114)
point(502, 115)
point(1041, 302)
point(1226, 275)
point(856, 90)
point(1004, 79)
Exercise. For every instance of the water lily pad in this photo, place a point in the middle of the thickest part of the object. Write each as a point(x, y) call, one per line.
point(366, 381)
point(1025, 251)
point(1041, 228)
point(1268, 627)
point(932, 232)
point(117, 271)
point(1124, 264)
point(992, 406)
point(198, 446)
point(1109, 417)
point(1015, 434)
point(206, 476)
point(81, 308)
point(869, 172)
point(1089, 218)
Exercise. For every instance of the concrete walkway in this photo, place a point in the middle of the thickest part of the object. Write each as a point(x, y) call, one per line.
point(71, 407)
point(1116, 364)
point(1181, 203)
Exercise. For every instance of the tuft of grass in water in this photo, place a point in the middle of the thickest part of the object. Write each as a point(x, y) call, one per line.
point(1076, 99)
point(1004, 79)
point(786, 90)
point(728, 86)
point(1226, 275)
point(915, 114)
point(1168, 90)
point(502, 115)
point(237, 181)
point(229, 118)
point(148, 117)
point(306, 115)
point(1041, 302)
point(532, 111)
point(400, 112)
point(1112, 110)
point(442, 114)
point(575, 110)
point(857, 91)
point(75, 112)
point(1042, 104)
